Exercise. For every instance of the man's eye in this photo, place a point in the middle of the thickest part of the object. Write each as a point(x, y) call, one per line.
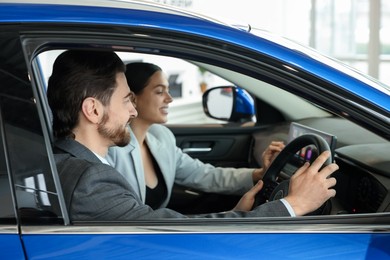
point(132, 97)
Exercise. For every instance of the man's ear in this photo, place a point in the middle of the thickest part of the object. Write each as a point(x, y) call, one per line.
point(92, 109)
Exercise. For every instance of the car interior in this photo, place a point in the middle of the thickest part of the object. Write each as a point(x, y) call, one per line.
point(363, 177)
point(280, 99)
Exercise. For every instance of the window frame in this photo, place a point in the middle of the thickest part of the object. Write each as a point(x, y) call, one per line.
point(163, 43)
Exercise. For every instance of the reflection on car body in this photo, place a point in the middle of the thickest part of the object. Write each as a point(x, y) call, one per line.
point(288, 83)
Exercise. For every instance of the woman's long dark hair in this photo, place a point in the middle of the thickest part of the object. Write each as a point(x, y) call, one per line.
point(138, 75)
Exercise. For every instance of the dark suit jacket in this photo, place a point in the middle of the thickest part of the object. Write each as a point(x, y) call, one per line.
point(96, 191)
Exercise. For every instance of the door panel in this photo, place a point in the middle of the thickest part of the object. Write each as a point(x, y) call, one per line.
point(221, 146)
point(10, 245)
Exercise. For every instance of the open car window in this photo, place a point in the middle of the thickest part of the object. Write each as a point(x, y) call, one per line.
point(187, 83)
point(275, 107)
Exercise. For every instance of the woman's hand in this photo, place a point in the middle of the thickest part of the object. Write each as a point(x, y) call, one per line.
point(271, 152)
point(246, 202)
point(267, 157)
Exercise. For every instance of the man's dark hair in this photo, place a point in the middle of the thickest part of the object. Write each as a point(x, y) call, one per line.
point(78, 74)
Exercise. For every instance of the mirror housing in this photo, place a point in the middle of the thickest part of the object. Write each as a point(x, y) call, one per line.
point(229, 103)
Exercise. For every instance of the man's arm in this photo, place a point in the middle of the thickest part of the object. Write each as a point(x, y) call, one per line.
point(103, 194)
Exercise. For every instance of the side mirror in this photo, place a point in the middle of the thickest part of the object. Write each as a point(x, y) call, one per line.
point(229, 103)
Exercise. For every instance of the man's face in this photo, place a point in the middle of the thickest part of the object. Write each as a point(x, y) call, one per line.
point(118, 114)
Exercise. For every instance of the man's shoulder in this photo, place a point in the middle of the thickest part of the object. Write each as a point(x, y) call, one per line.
point(73, 160)
point(70, 165)
point(81, 174)
point(65, 148)
point(74, 164)
point(71, 169)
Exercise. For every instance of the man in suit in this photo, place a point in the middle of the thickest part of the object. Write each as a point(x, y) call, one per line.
point(91, 105)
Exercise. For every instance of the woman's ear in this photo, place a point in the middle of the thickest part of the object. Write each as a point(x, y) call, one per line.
point(92, 110)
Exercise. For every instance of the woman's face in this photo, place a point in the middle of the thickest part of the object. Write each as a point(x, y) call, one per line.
point(152, 103)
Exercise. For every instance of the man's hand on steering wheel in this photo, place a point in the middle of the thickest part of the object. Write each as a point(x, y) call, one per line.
point(311, 186)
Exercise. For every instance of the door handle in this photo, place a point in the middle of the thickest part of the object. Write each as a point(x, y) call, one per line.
point(197, 150)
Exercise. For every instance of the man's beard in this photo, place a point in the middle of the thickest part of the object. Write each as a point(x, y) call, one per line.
point(119, 136)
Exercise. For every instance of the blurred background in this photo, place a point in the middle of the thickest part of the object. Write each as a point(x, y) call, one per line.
point(357, 32)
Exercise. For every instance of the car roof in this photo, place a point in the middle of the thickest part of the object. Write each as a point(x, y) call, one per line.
point(156, 16)
point(128, 4)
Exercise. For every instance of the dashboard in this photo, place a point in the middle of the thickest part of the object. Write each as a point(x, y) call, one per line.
point(363, 178)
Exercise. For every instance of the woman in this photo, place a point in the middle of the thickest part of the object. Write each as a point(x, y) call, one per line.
point(163, 163)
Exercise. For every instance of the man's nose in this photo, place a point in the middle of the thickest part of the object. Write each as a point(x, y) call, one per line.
point(132, 110)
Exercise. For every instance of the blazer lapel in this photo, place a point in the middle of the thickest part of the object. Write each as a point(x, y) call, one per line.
point(162, 157)
point(135, 155)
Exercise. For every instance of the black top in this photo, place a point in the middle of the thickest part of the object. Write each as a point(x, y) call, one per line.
point(156, 196)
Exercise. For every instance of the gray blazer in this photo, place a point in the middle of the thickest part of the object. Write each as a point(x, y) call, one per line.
point(176, 167)
point(100, 193)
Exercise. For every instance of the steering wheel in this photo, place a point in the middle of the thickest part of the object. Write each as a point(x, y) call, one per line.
point(272, 190)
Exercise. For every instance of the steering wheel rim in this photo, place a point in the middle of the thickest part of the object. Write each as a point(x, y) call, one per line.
point(272, 190)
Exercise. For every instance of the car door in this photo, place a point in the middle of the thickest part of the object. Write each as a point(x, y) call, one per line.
point(49, 236)
point(47, 233)
point(28, 194)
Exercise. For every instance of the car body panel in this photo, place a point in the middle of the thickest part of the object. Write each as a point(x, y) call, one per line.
point(11, 246)
point(208, 245)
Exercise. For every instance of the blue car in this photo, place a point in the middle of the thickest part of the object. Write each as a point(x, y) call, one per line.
point(270, 88)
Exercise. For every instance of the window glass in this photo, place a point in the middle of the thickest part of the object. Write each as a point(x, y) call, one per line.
point(7, 207)
point(24, 141)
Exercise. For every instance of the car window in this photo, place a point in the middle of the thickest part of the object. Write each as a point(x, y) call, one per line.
point(277, 98)
point(187, 83)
